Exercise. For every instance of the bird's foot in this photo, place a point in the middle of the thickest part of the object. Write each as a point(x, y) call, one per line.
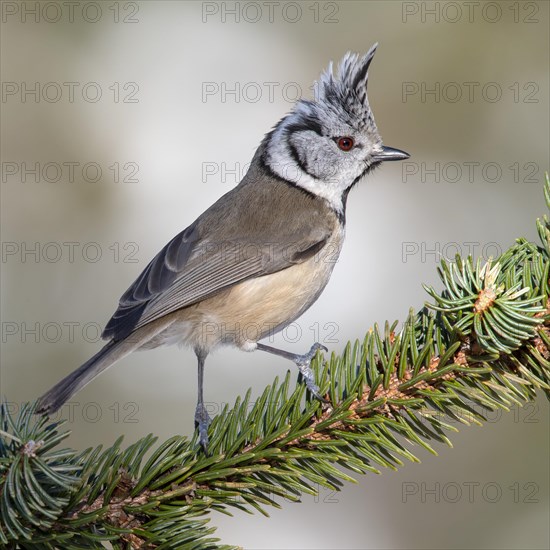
point(304, 366)
point(202, 421)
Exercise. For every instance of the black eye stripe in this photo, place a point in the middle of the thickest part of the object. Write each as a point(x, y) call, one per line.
point(305, 125)
point(296, 157)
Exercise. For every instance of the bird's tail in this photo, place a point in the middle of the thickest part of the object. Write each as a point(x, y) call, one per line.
point(53, 399)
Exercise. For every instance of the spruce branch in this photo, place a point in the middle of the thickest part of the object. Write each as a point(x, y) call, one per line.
point(484, 344)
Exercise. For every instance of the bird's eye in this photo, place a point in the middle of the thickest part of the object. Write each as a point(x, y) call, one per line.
point(345, 143)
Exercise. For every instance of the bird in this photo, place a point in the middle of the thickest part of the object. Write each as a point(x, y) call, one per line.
point(262, 254)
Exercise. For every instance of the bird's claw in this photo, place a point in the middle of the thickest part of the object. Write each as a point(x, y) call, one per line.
point(306, 358)
point(304, 366)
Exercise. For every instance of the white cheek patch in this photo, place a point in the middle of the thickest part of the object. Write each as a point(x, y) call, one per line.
point(281, 162)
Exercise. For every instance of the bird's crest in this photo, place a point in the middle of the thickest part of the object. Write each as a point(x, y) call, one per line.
point(343, 94)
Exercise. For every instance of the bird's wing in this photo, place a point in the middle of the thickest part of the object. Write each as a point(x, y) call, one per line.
point(190, 269)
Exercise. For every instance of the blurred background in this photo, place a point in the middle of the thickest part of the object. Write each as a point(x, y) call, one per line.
point(123, 121)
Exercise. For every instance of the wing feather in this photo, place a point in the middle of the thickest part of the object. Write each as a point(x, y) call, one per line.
point(211, 256)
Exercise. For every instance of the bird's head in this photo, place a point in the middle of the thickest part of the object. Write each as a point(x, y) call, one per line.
point(326, 145)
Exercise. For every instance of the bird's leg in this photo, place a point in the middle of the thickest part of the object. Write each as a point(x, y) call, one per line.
point(202, 420)
point(303, 362)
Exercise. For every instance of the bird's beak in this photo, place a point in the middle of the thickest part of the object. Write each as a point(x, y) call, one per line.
point(389, 153)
